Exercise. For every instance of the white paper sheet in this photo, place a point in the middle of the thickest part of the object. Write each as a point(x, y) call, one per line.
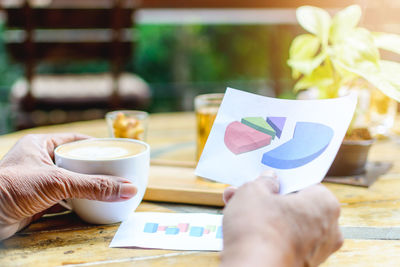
point(175, 231)
point(309, 139)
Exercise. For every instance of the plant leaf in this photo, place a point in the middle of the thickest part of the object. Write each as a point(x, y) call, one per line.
point(316, 21)
point(387, 41)
point(344, 22)
point(302, 55)
point(307, 66)
point(357, 47)
point(304, 46)
point(320, 77)
point(345, 75)
point(386, 78)
point(295, 74)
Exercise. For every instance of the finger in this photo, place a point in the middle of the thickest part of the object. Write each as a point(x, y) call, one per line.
point(55, 140)
point(52, 210)
point(95, 187)
point(57, 208)
point(228, 194)
point(62, 138)
point(268, 181)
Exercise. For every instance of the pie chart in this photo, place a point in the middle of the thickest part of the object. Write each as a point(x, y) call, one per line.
point(309, 141)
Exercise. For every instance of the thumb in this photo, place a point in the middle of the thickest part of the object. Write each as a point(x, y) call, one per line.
point(96, 187)
point(228, 194)
point(268, 181)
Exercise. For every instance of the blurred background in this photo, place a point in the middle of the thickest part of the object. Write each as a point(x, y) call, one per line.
point(72, 60)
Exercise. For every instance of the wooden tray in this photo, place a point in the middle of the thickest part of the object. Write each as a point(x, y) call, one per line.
point(180, 185)
point(177, 183)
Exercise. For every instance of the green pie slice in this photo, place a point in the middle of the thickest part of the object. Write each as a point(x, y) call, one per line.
point(259, 124)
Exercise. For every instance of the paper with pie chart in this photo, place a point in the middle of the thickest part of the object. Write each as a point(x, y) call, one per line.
point(298, 139)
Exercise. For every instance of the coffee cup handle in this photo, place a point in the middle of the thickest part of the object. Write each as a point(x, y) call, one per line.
point(66, 204)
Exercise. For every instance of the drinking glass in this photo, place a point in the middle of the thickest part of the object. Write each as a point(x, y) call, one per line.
point(127, 124)
point(382, 114)
point(206, 107)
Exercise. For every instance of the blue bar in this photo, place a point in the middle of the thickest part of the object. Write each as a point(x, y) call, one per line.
point(196, 231)
point(172, 231)
point(219, 232)
point(150, 227)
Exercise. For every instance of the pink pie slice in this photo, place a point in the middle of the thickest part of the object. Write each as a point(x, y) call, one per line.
point(240, 138)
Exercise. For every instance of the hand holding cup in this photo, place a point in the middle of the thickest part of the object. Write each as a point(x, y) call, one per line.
point(31, 185)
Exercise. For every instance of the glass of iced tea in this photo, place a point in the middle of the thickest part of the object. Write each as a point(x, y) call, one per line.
point(382, 114)
point(206, 107)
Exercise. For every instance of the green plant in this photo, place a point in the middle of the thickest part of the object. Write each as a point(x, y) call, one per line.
point(336, 53)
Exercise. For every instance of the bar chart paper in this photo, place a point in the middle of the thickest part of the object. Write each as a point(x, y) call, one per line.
point(175, 231)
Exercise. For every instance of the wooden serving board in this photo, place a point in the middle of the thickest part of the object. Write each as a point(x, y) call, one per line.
point(181, 185)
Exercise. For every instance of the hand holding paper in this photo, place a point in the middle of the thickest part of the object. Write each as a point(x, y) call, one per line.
point(262, 228)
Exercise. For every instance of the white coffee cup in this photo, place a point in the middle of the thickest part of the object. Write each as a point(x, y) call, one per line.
point(108, 160)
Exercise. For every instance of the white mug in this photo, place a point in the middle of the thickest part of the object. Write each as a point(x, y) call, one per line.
point(133, 167)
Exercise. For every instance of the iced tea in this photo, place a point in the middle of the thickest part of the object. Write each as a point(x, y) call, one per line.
point(205, 119)
point(206, 110)
point(382, 113)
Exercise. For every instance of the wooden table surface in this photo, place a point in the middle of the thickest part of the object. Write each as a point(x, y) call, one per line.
point(370, 217)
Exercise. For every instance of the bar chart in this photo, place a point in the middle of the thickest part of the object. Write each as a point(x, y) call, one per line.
point(177, 231)
point(184, 229)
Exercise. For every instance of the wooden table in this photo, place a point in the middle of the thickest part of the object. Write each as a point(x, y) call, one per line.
point(370, 217)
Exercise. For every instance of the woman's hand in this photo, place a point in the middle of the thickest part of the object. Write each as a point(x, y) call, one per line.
point(30, 183)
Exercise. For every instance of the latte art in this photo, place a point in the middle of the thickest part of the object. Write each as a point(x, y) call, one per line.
point(100, 149)
point(98, 152)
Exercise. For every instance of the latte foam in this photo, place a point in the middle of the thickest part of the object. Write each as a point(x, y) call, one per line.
point(100, 149)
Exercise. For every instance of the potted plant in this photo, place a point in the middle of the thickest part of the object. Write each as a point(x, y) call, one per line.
point(336, 56)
